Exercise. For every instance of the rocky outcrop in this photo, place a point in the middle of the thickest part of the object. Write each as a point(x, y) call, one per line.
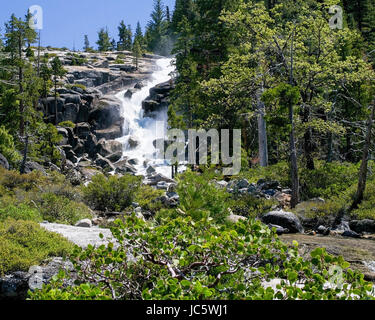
point(158, 98)
point(15, 286)
point(4, 162)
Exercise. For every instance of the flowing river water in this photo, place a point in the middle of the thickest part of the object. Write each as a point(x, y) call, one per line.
point(144, 129)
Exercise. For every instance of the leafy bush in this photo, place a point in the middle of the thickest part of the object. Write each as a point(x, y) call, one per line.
point(112, 193)
point(24, 244)
point(62, 210)
point(250, 206)
point(201, 198)
point(146, 198)
point(52, 196)
point(7, 147)
point(187, 259)
point(328, 179)
point(278, 172)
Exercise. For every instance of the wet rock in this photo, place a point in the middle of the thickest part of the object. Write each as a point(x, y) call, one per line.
point(222, 183)
point(155, 178)
point(284, 219)
point(107, 147)
point(129, 93)
point(162, 185)
point(82, 130)
point(133, 142)
point(150, 170)
point(139, 85)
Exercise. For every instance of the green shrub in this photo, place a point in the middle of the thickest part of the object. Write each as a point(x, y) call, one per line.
point(20, 212)
point(200, 198)
point(24, 244)
point(62, 210)
point(119, 61)
point(198, 260)
point(146, 197)
point(7, 147)
point(328, 179)
point(278, 172)
point(112, 193)
point(250, 206)
point(67, 124)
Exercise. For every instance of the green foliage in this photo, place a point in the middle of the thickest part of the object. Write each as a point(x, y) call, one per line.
point(196, 259)
point(200, 198)
point(37, 197)
point(146, 198)
point(20, 212)
point(67, 124)
point(24, 244)
point(78, 60)
point(7, 147)
point(250, 206)
point(59, 209)
point(112, 193)
point(46, 146)
point(104, 43)
point(327, 179)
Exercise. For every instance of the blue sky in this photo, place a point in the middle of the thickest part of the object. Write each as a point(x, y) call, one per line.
point(66, 21)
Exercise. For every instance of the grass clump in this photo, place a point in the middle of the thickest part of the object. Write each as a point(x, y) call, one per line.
point(24, 244)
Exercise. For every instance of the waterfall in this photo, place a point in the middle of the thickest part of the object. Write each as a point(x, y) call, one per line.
point(143, 129)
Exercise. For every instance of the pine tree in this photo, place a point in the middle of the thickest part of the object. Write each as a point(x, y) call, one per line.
point(86, 47)
point(19, 35)
point(137, 53)
point(157, 29)
point(138, 36)
point(104, 42)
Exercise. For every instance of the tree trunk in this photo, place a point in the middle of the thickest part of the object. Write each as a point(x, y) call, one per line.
point(56, 101)
point(293, 162)
point(365, 155)
point(262, 132)
point(25, 151)
point(20, 80)
point(293, 152)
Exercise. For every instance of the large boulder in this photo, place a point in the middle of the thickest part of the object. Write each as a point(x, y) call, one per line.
point(33, 166)
point(361, 226)
point(107, 147)
point(4, 162)
point(113, 132)
point(283, 219)
point(106, 113)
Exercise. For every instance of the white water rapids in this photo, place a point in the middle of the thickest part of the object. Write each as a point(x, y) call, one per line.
point(143, 129)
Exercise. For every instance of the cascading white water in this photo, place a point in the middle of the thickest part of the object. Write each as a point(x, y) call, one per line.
point(143, 129)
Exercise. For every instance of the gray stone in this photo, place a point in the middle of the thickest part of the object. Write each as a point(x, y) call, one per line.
point(243, 183)
point(284, 219)
point(4, 162)
point(279, 230)
point(84, 223)
point(361, 226)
